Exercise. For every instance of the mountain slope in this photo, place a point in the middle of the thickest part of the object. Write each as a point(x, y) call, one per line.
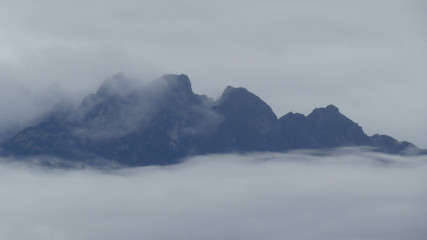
point(163, 121)
point(249, 123)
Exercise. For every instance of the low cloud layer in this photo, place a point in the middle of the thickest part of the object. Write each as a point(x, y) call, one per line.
point(345, 194)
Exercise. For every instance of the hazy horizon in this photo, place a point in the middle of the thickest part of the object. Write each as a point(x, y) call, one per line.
point(348, 193)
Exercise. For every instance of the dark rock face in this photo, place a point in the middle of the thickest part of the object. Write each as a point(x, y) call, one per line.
point(249, 123)
point(293, 131)
point(164, 121)
point(323, 128)
point(329, 128)
point(390, 145)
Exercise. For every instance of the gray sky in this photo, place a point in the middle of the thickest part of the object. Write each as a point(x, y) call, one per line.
point(349, 194)
point(369, 58)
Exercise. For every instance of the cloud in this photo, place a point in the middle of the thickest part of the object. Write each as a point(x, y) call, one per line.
point(120, 106)
point(347, 194)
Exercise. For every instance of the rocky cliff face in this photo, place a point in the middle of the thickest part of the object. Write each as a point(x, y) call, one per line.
point(248, 123)
point(163, 121)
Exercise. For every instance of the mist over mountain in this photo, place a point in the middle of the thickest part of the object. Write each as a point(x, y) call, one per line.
point(163, 121)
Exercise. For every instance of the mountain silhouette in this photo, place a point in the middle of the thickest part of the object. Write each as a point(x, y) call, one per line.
point(163, 121)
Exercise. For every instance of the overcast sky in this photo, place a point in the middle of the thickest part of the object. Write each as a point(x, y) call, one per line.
point(369, 58)
point(300, 196)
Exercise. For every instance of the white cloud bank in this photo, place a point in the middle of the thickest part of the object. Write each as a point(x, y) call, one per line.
point(299, 196)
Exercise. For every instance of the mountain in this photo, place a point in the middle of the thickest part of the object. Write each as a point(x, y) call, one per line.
point(163, 121)
point(249, 124)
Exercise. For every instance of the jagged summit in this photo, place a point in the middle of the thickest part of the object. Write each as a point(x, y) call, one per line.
point(180, 82)
point(241, 100)
point(163, 121)
point(179, 87)
point(332, 128)
point(329, 110)
point(118, 84)
point(234, 90)
point(121, 85)
point(249, 122)
point(331, 107)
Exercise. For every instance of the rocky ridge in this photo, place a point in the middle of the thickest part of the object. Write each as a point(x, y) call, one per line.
point(165, 121)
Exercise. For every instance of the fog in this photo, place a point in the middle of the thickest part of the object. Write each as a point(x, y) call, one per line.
point(120, 106)
point(123, 105)
point(304, 195)
point(366, 57)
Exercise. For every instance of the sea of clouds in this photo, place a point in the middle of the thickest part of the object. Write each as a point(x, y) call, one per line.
point(304, 195)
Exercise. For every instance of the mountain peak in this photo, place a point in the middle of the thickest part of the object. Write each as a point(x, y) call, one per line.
point(332, 108)
point(241, 99)
point(331, 128)
point(235, 90)
point(248, 121)
point(328, 110)
point(118, 84)
point(179, 82)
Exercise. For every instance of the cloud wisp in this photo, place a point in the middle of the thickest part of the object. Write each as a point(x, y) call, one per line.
point(298, 195)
